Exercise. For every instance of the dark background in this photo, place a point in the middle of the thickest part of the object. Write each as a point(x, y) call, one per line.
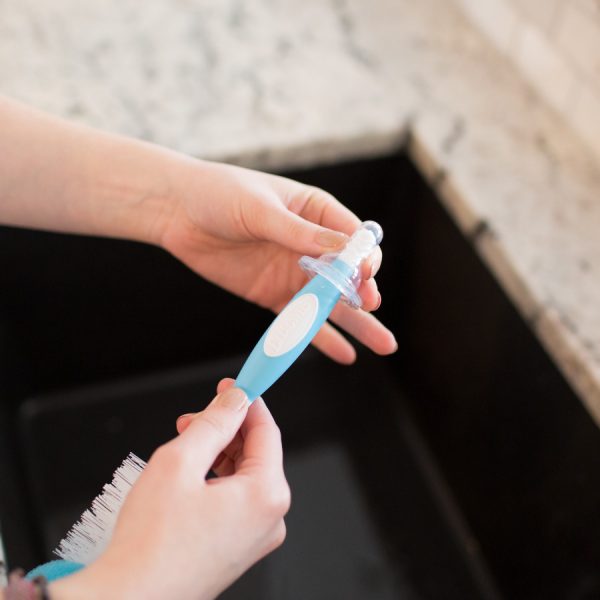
point(462, 467)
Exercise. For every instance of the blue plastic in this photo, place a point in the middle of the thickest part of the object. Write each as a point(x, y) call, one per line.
point(335, 275)
point(55, 569)
point(261, 371)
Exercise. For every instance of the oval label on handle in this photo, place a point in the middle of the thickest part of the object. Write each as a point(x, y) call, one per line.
point(292, 324)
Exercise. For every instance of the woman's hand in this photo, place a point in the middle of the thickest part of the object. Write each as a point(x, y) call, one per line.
point(241, 229)
point(245, 231)
point(181, 536)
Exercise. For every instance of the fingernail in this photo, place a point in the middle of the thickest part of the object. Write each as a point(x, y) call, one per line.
point(331, 239)
point(233, 398)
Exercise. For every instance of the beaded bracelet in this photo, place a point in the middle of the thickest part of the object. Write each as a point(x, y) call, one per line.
point(19, 588)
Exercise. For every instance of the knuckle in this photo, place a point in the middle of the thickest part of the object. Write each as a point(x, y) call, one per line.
point(253, 217)
point(213, 422)
point(316, 199)
point(277, 500)
point(279, 535)
point(314, 193)
point(286, 498)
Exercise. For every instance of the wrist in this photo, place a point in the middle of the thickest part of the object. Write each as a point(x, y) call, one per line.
point(131, 186)
point(58, 176)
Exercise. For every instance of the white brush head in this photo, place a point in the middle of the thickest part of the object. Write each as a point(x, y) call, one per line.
point(90, 536)
point(343, 269)
point(361, 244)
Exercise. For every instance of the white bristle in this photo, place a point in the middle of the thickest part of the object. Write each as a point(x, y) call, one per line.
point(358, 248)
point(89, 537)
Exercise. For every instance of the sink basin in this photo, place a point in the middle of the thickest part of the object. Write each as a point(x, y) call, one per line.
point(462, 467)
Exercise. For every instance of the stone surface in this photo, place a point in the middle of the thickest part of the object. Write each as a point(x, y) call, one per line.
point(282, 83)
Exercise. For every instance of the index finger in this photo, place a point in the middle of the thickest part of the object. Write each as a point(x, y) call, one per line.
point(320, 207)
point(330, 212)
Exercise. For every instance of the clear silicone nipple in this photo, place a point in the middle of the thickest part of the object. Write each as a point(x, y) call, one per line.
point(342, 268)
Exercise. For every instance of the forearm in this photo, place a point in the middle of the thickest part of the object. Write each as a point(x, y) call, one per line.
point(59, 176)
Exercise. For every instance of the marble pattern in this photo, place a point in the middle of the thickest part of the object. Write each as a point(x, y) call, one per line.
point(260, 82)
point(283, 83)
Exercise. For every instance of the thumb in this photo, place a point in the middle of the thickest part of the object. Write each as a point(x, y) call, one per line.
point(211, 430)
point(305, 237)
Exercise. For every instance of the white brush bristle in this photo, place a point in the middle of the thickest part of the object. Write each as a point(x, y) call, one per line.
point(90, 536)
point(358, 248)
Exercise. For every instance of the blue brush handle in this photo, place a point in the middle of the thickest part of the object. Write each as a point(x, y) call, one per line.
point(55, 569)
point(288, 336)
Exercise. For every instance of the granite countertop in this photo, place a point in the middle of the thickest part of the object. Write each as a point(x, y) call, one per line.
point(276, 84)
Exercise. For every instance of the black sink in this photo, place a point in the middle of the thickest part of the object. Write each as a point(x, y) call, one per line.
point(462, 467)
